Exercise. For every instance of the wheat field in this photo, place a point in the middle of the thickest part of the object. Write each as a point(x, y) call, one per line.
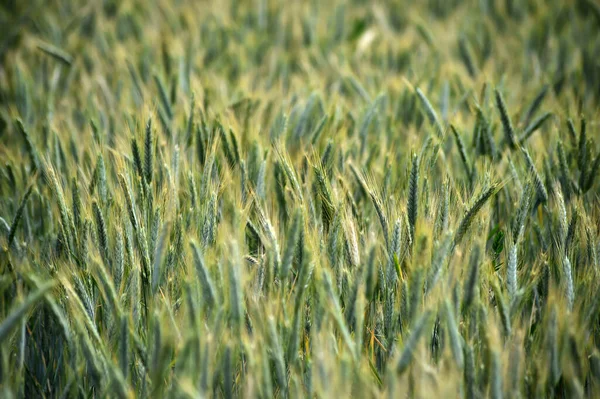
point(324, 199)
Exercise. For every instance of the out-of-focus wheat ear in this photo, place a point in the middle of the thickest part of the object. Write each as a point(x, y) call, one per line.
point(371, 276)
point(552, 343)
point(157, 344)
point(431, 114)
point(514, 370)
point(456, 339)
point(509, 132)
point(565, 176)
point(466, 56)
point(328, 209)
point(277, 351)
point(108, 290)
point(467, 219)
point(76, 205)
point(124, 347)
point(336, 312)
point(208, 290)
point(594, 171)
point(415, 297)
point(261, 180)
point(513, 173)
point(228, 377)
point(441, 253)
point(243, 182)
point(518, 227)
point(157, 248)
point(463, 154)
point(569, 286)
point(290, 245)
point(64, 213)
point(163, 96)
point(470, 375)
point(351, 241)
point(227, 151)
point(390, 318)
point(441, 222)
point(534, 126)
point(413, 193)
point(119, 260)
point(15, 223)
point(503, 309)
point(235, 284)
point(359, 316)
point(31, 150)
point(472, 283)
point(381, 214)
point(535, 105)
point(148, 152)
point(413, 340)
point(235, 149)
point(511, 270)
point(496, 390)
point(542, 193)
point(582, 153)
point(90, 356)
point(102, 233)
point(591, 247)
point(289, 171)
point(192, 189)
point(19, 312)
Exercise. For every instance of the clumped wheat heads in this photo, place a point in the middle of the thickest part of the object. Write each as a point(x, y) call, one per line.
point(237, 199)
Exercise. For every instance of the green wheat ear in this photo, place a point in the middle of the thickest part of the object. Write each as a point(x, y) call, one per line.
point(259, 199)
